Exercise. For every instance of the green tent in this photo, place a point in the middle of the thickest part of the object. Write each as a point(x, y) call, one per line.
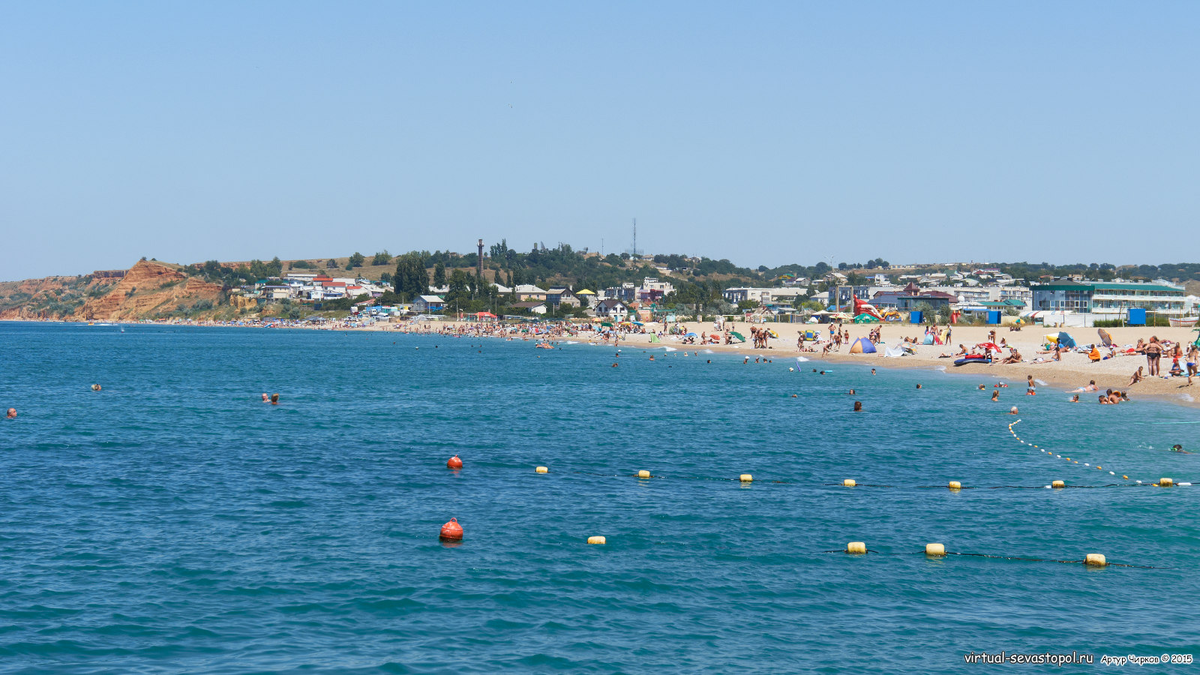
point(865, 318)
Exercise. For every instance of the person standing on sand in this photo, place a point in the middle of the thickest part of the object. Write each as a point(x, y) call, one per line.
point(1153, 353)
point(1193, 362)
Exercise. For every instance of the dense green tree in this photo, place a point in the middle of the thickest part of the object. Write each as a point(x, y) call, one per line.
point(357, 259)
point(439, 274)
point(382, 258)
point(410, 279)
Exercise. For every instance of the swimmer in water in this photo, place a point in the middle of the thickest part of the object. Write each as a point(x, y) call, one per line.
point(274, 399)
point(872, 371)
point(918, 386)
point(851, 392)
point(266, 398)
point(12, 413)
point(1012, 410)
point(995, 395)
point(95, 387)
point(858, 406)
point(1075, 398)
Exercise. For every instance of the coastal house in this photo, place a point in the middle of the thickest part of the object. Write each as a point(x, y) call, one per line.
point(612, 309)
point(425, 304)
point(532, 307)
point(561, 296)
point(530, 293)
point(1109, 299)
point(277, 292)
point(765, 297)
point(626, 292)
point(653, 290)
point(587, 297)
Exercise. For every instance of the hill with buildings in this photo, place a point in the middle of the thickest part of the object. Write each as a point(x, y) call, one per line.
point(563, 282)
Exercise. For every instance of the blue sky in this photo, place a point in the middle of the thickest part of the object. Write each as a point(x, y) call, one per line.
point(765, 133)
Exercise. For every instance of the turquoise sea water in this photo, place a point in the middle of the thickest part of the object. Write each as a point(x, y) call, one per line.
point(174, 523)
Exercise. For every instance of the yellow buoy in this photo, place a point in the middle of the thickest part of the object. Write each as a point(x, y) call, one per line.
point(935, 549)
point(1095, 560)
point(856, 547)
point(849, 482)
point(542, 469)
point(746, 478)
point(643, 474)
point(596, 540)
point(1058, 484)
point(1125, 477)
point(955, 485)
point(1166, 482)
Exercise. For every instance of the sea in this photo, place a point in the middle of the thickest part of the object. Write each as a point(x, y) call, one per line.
point(174, 523)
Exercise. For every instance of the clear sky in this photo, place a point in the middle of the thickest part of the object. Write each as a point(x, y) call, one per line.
point(765, 133)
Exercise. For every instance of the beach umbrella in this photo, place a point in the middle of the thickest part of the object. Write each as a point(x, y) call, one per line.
point(1105, 337)
point(690, 335)
point(738, 336)
point(1065, 340)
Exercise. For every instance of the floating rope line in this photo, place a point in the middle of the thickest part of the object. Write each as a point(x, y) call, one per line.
point(1050, 453)
point(864, 485)
point(1003, 557)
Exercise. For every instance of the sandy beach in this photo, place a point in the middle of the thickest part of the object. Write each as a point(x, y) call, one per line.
point(1073, 371)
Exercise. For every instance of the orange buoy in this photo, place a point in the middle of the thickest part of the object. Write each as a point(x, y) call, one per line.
point(454, 463)
point(451, 531)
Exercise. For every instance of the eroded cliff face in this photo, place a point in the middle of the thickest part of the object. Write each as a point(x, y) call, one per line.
point(149, 289)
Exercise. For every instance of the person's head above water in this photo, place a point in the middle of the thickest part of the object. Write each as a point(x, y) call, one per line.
point(274, 399)
point(266, 398)
point(857, 406)
point(12, 413)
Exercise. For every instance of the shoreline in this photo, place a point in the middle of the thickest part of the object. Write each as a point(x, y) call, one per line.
point(1072, 372)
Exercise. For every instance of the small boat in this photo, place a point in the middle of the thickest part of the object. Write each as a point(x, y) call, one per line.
point(1182, 321)
point(973, 358)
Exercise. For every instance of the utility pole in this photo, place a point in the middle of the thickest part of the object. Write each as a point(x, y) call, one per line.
point(479, 262)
